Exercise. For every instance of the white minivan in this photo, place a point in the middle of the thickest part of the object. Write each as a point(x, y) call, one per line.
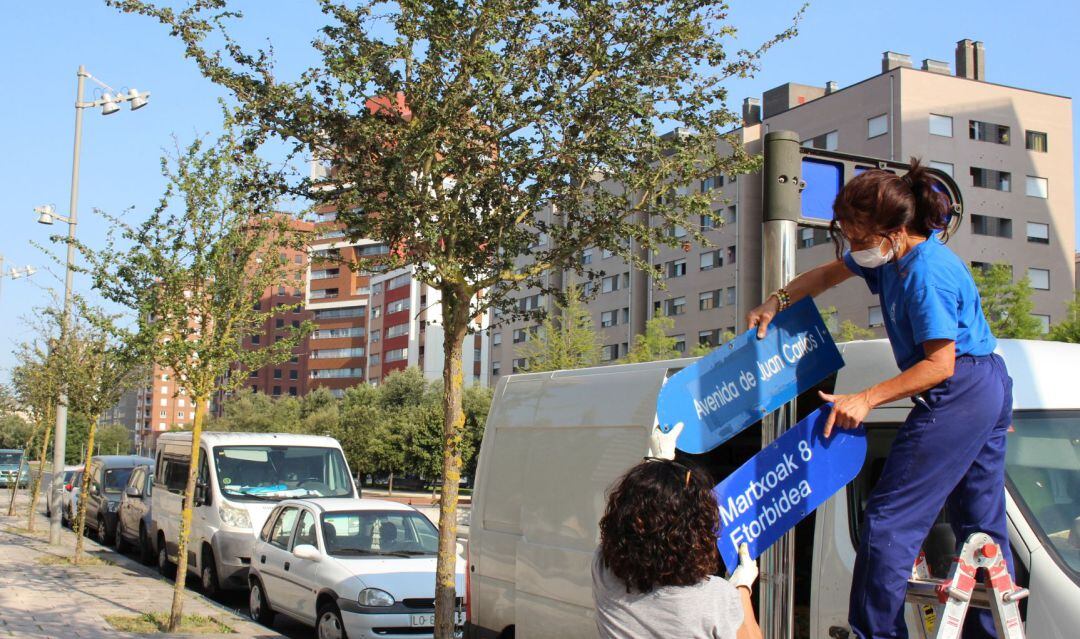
point(554, 442)
point(242, 476)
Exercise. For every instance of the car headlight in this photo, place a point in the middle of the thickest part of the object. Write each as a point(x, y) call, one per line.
point(234, 517)
point(375, 597)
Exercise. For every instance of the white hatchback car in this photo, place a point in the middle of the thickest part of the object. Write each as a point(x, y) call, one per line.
point(355, 568)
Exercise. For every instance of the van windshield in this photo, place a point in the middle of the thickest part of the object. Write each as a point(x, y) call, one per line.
point(279, 472)
point(1043, 463)
point(10, 459)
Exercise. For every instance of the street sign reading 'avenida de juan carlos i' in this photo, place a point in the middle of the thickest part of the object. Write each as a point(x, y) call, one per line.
point(742, 381)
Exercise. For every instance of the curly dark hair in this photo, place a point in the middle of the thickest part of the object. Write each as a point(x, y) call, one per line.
point(660, 526)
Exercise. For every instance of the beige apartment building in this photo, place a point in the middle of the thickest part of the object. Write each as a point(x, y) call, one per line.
point(1009, 149)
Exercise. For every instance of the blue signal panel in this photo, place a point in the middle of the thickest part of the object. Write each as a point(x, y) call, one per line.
point(823, 181)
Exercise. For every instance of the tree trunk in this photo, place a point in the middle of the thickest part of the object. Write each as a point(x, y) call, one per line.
point(390, 485)
point(455, 326)
point(202, 403)
point(24, 462)
point(37, 482)
point(79, 524)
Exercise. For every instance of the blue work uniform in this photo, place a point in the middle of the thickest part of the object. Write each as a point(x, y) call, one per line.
point(951, 450)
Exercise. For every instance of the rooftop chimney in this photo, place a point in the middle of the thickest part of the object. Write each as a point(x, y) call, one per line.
point(751, 111)
point(891, 60)
point(935, 66)
point(970, 60)
point(831, 87)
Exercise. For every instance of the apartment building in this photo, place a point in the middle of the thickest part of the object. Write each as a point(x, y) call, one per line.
point(162, 405)
point(1009, 149)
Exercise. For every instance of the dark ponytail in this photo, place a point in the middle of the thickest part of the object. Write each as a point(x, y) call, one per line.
point(878, 202)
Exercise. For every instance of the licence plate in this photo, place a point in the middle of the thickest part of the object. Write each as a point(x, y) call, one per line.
point(427, 620)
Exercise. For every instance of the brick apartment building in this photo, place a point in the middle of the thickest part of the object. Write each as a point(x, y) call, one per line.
point(1009, 149)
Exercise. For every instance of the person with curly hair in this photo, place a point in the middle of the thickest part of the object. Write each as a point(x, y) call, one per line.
point(654, 573)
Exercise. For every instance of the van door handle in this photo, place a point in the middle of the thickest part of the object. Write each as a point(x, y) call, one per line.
point(286, 565)
point(262, 559)
point(838, 632)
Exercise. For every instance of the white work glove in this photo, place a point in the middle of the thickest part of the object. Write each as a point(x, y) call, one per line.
point(746, 573)
point(661, 444)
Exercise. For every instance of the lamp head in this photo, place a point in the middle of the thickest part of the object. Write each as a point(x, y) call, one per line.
point(46, 214)
point(108, 106)
point(30, 270)
point(14, 273)
point(137, 100)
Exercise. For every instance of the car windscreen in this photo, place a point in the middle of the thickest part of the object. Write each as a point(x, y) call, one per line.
point(116, 479)
point(377, 533)
point(271, 473)
point(1043, 463)
point(11, 459)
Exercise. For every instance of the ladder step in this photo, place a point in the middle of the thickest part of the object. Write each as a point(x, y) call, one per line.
point(926, 592)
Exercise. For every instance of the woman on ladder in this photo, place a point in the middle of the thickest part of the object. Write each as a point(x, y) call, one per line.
point(951, 450)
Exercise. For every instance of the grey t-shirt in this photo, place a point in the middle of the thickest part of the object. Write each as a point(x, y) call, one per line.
point(711, 609)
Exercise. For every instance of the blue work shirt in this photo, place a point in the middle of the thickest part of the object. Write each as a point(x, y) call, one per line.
point(928, 294)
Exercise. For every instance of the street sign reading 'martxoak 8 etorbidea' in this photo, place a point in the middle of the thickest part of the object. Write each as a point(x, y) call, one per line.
point(740, 382)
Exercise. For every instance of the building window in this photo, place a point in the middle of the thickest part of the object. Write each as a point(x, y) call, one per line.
point(279, 323)
point(940, 125)
point(375, 359)
point(710, 260)
point(944, 167)
point(396, 355)
point(708, 222)
point(397, 330)
point(626, 315)
point(989, 225)
point(324, 294)
point(163, 414)
point(340, 313)
point(609, 353)
point(277, 373)
point(376, 335)
point(874, 317)
point(496, 339)
point(991, 179)
point(1044, 322)
point(1039, 278)
point(1036, 186)
point(877, 125)
point(336, 353)
point(292, 391)
point(731, 295)
point(1038, 233)
point(676, 268)
point(586, 256)
point(324, 274)
point(496, 368)
point(984, 267)
point(609, 284)
point(398, 282)
point(680, 343)
point(332, 333)
point(520, 335)
point(713, 182)
point(731, 255)
point(293, 375)
point(606, 253)
point(179, 414)
point(519, 364)
point(397, 306)
point(1035, 141)
point(676, 306)
point(988, 132)
point(376, 312)
point(609, 318)
point(253, 374)
point(336, 373)
point(707, 300)
point(827, 141)
point(163, 402)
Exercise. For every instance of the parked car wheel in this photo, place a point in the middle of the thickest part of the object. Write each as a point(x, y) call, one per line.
point(103, 536)
point(208, 575)
point(258, 608)
point(118, 538)
point(146, 550)
point(164, 566)
point(330, 625)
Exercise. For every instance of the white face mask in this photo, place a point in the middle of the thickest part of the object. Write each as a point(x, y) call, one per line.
point(873, 257)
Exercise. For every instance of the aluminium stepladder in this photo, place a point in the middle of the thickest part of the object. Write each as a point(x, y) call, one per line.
point(961, 591)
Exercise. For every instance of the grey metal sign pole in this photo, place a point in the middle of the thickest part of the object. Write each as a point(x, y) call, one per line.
point(783, 180)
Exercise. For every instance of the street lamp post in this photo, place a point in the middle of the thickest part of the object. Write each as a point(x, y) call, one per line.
point(109, 103)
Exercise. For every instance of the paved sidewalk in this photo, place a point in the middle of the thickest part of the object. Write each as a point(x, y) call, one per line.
point(39, 601)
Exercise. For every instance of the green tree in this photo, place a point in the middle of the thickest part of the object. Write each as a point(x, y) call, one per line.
point(14, 431)
point(1007, 304)
point(464, 134)
point(36, 378)
point(113, 439)
point(654, 344)
point(193, 276)
point(566, 339)
point(1068, 329)
point(257, 413)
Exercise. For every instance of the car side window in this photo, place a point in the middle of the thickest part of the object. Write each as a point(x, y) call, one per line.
point(283, 528)
point(305, 530)
point(264, 534)
point(148, 481)
point(135, 480)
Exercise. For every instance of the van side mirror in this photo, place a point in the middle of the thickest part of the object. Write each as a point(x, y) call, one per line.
point(307, 551)
point(133, 492)
point(202, 494)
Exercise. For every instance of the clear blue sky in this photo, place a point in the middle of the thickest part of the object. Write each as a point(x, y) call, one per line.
point(44, 41)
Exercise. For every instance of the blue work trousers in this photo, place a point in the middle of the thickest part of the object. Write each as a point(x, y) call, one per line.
point(950, 452)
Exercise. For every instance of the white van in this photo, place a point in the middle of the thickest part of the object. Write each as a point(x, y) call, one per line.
point(242, 476)
point(554, 442)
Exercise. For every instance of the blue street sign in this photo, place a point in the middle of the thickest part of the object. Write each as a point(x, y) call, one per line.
point(823, 182)
point(741, 381)
point(779, 486)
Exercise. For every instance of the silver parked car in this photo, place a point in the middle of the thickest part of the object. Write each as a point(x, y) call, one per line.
point(133, 516)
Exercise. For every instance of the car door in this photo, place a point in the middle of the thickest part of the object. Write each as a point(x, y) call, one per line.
point(273, 555)
point(129, 506)
point(301, 580)
point(93, 500)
